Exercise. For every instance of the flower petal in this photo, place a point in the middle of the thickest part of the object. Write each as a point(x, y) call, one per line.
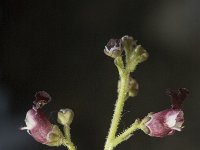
point(41, 98)
point(175, 119)
point(177, 97)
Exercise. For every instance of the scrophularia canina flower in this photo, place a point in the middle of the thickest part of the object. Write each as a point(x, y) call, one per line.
point(113, 48)
point(37, 124)
point(168, 121)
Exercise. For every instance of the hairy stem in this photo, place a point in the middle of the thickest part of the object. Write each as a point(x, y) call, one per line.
point(124, 79)
point(127, 133)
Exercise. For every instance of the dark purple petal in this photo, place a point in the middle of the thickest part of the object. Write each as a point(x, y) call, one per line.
point(177, 97)
point(113, 43)
point(41, 98)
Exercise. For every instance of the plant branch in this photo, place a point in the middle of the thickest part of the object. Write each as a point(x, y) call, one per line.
point(124, 79)
point(69, 144)
point(67, 140)
point(127, 133)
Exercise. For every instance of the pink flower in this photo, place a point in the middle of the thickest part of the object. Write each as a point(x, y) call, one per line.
point(37, 124)
point(168, 121)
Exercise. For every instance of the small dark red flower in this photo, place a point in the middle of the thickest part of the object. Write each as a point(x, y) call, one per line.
point(38, 125)
point(113, 48)
point(168, 121)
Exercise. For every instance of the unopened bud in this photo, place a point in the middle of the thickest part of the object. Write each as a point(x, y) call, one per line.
point(141, 53)
point(128, 43)
point(133, 87)
point(65, 116)
point(113, 48)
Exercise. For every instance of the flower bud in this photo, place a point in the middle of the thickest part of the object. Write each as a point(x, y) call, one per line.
point(39, 127)
point(113, 48)
point(133, 87)
point(65, 116)
point(140, 53)
point(128, 43)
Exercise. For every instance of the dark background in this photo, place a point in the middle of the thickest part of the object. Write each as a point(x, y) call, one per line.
point(57, 46)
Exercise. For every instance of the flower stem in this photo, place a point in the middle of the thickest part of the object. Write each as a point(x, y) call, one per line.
point(69, 145)
point(127, 133)
point(67, 140)
point(124, 80)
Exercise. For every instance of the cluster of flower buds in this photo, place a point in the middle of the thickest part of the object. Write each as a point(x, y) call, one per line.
point(168, 121)
point(115, 47)
point(134, 53)
point(38, 125)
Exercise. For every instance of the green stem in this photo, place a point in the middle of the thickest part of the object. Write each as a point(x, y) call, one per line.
point(69, 144)
point(67, 140)
point(118, 110)
point(127, 133)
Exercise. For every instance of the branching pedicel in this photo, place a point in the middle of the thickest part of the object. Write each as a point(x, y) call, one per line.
point(158, 124)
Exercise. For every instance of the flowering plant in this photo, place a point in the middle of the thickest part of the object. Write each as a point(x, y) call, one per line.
point(127, 55)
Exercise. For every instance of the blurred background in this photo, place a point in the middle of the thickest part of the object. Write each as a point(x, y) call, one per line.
point(57, 46)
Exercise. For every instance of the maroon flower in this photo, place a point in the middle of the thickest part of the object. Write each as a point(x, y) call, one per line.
point(37, 124)
point(168, 121)
point(113, 48)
